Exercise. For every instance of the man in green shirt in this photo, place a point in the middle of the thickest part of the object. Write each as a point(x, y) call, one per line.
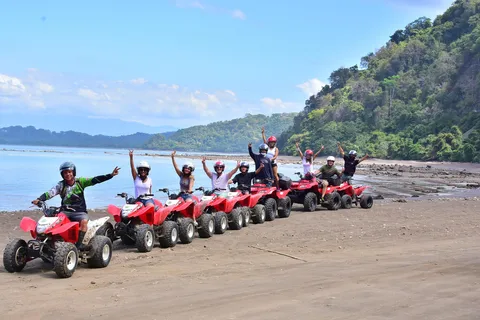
point(327, 171)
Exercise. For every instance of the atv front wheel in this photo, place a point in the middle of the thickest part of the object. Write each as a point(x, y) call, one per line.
point(366, 202)
point(270, 209)
point(169, 237)
point(186, 230)
point(100, 252)
point(65, 260)
point(259, 214)
point(346, 201)
point(206, 226)
point(310, 202)
point(333, 201)
point(145, 238)
point(284, 207)
point(221, 222)
point(107, 231)
point(15, 255)
point(236, 219)
point(247, 215)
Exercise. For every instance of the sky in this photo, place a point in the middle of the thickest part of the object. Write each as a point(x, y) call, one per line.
point(119, 67)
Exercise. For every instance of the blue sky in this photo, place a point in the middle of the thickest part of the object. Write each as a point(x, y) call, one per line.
point(117, 67)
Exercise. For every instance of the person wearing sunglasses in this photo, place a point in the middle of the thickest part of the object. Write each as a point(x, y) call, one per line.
point(141, 181)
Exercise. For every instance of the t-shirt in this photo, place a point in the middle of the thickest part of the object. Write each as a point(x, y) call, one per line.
point(350, 165)
point(244, 180)
point(142, 187)
point(328, 171)
point(307, 166)
point(185, 182)
point(271, 154)
point(267, 171)
point(219, 182)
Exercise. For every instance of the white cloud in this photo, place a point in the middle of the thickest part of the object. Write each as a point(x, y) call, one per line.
point(311, 87)
point(238, 14)
point(11, 86)
point(138, 81)
point(276, 105)
point(27, 91)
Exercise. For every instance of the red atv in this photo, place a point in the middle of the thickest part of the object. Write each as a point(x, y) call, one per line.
point(54, 237)
point(139, 225)
point(265, 202)
point(306, 191)
point(354, 195)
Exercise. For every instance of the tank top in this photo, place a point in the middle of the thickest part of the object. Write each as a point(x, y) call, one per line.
point(307, 166)
point(271, 154)
point(142, 187)
point(219, 182)
point(185, 182)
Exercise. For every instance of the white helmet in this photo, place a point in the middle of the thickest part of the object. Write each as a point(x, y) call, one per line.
point(353, 152)
point(331, 158)
point(189, 165)
point(143, 164)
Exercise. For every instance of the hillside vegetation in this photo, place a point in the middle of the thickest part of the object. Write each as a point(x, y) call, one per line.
point(224, 136)
point(417, 98)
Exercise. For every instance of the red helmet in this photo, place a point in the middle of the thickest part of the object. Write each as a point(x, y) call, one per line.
point(219, 164)
point(272, 139)
point(308, 152)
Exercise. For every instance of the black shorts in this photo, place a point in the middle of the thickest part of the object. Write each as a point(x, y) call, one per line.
point(274, 165)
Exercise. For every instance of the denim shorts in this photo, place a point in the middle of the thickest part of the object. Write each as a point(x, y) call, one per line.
point(186, 196)
point(145, 201)
point(76, 216)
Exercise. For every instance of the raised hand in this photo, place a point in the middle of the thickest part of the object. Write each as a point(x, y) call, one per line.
point(130, 153)
point(115, 171)
point(250, 145)
point(173, 153)
point(204, 159)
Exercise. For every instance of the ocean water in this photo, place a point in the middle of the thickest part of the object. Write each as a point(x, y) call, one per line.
point(28, 171)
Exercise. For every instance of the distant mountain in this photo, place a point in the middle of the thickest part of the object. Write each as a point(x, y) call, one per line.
point(32, 136)
point(224, 136)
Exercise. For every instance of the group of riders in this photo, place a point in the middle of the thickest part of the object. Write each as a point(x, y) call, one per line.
point(71, 188)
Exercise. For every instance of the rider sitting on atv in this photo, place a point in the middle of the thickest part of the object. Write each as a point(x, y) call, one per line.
point(219, 179)
point(327, 171)
point(187, 180)
point(267, 173)
point(307, 160)
point(141, 181)
point(71, 190)
point(350, 163)
point(244, 178)
point(272, 153)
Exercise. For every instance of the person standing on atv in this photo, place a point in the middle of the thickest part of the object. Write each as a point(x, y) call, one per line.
point(219, 179)
point(71, 190)
point(141, 181)
point(307, 160)
point(244, 178)
point(327, 171)
point(187, 180)
point(267, 173)
point(350, 163)
point(272, 153)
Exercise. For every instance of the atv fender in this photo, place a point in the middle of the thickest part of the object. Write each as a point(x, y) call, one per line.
point(186, 209)
point(145, 214)
point(92, 227)
point(253, 199)
point(161, 215)
point(115, 212)
point(359, 190)
point(218, 204)
point(68, 231)
point(282, 194)
point(29, 225)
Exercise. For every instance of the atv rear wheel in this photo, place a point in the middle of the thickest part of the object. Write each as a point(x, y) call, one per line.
point(107, 231)
point(100, 252)
point(221, 222)
point(333, 201)
point(65, 260)
point(270, 209)
point(284, 207)
point(236, 219)
point(145, 238)
point(15, 255)
point(169, 236)
point(247, 215)
point(346, 201)
point(206, 226)
point(366, 202)
point(310, 202)
point(186, 230)
point(259, 214)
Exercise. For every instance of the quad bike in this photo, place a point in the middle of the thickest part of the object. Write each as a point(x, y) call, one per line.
point(308, 192)
point(353, 195)
point(54, 237)
point(266, 202)
point(141, 225)
point(233, 205)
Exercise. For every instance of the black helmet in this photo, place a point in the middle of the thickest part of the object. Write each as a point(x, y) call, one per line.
point(244, 164)
point(263, 146)
point(68, 166)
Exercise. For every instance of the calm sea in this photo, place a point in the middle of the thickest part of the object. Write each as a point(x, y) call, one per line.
point(28, 171)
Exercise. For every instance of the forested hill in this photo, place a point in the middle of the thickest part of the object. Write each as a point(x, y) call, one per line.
point(224, 136)
point(418, 97)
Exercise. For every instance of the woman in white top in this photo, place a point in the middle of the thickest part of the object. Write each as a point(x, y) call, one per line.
point(272, 153)
point(219, 178)
point(307, 160)
point(141, 181)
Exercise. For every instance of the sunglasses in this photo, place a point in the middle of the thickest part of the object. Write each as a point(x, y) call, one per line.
point(142, 169)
